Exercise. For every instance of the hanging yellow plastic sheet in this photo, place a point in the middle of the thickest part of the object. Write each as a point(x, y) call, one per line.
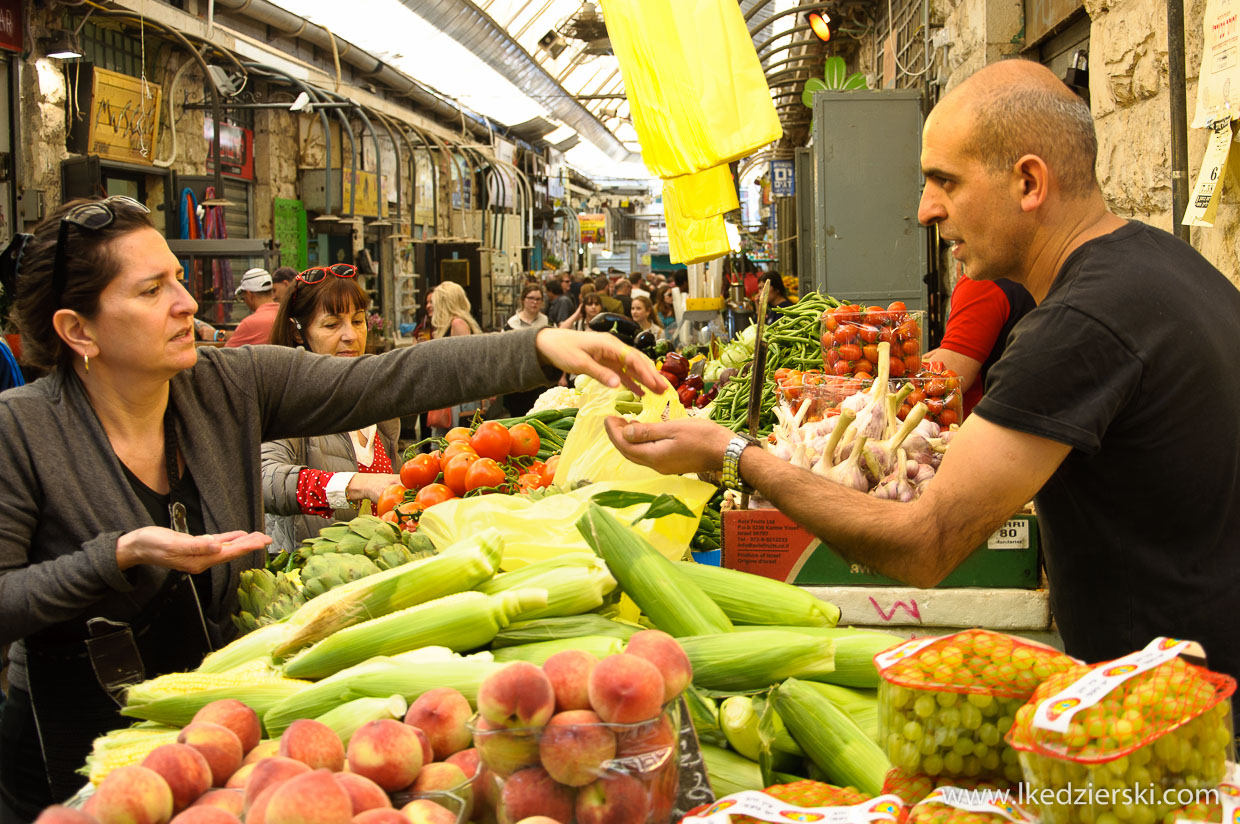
point(536, 530)
point(703, 194)
point(692, 240)
point(693, 80)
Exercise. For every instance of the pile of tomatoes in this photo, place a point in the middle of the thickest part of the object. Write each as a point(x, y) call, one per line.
point(939, 389)
point(491, 458)
point(824, 393)
point(851, 335)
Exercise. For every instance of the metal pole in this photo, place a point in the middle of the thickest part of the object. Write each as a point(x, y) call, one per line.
point(1179, 115)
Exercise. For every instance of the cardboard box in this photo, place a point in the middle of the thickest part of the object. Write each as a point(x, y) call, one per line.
point(767, 542)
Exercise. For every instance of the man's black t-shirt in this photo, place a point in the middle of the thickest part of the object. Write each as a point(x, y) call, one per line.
point(1132, 360)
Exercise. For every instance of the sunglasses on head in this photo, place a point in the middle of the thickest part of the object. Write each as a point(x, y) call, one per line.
point(92, 216)
point(316, 274)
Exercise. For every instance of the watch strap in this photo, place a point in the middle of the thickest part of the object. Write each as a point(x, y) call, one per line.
point(732, 463)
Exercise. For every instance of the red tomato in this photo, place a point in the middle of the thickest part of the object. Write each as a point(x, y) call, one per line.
point(951, 383)
point(390, 517)
point(845, 334)
point(419, 471)
point(936, 387)
point(897, 367)
point(432, 494)
point(529, 482)
point(843, 368)
point(869, 333)
point(389, 498)
point(886, 335)
point(875, 316)
point(548, 470)
point(454, 471)
point(915, 397)
point(483, 472)
point(911, 364)
point(948, 417)
point(863, 367)
point(779, 375)
point(455, 448)
point(897, 306)
point(491, 441)
point(525, 440)
point(909, 330)
point(934, 407)
point(912, 347)
point(870, 352)
point(457, 433)
point(850, 352)
point(536, 467)
point(831, 356)
point(832, 322)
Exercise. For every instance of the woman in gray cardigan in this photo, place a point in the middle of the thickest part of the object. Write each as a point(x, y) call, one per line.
point(308, 482)
point(130, 490)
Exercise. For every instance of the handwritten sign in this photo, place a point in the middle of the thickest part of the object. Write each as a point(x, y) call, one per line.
point(124, 115)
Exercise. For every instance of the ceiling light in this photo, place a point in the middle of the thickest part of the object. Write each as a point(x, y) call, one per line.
point(59, 45)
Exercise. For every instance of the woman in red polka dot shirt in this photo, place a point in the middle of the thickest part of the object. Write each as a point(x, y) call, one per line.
point(307, 480)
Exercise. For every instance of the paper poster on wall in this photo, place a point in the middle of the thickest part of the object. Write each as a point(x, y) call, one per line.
point(424, 207)
point(1218, 90)
point(593, 227)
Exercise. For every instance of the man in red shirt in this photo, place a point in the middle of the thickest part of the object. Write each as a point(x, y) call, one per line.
point(256, 291)
point(982, 315)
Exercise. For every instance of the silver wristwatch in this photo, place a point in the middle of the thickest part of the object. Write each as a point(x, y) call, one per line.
point(732, 463)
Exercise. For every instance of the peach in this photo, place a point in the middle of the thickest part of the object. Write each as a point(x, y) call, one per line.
point(486, 801)
point(58, 814)
point(238, 780)
point(232, 801)
point(184, 768)
point(265, 749)
point(364, 794)
point(131, 795)
point(219, 745)
point(256, 813)
point(314, 744)
point(441, 713)
point(428, 752)
point(471, 764)
point(206, 815)
point(538, 819)
point(387, 752)
point(534, 792)
point(519, 695)
point(663, 787)
point(613, 799)
point(625, 689)
point(505, 751)
point(380, 815)
point(668, 657)
point(314, 798)
point(574, 746)
point(231, 713)
point(569, 672)
point(442, 777)
point(639, 742)
point(425, 811)
point(270, 772)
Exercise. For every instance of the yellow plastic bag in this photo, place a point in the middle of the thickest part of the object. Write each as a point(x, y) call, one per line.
point(538, 530)
point(694, 83)
point(691, 240)
point(704, 194)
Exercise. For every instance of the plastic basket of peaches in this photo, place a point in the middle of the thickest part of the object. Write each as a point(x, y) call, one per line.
point(851, 334)
point(937, 387)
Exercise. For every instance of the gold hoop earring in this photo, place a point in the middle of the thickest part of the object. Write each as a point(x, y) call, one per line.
point(86, 361)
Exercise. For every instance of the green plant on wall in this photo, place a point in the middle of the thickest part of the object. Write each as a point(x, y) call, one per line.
point(835, 77)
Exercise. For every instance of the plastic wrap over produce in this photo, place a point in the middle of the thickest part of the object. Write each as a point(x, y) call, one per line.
point(697, 92)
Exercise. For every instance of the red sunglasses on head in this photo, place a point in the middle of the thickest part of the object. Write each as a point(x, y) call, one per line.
point(315, 274)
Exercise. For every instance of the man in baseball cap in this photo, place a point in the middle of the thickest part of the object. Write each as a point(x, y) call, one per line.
point(255, 290)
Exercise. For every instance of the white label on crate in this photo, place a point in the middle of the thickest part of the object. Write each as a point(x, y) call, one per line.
point(1056, 713)
point(977, 801)
point(1014, 534)
point(768, 808)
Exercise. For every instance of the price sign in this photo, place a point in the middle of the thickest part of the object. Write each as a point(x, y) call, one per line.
point(1014, 534)
point(783, 178)
point(1203, 205)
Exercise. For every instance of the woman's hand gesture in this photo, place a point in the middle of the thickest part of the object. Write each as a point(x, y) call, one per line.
point(160, 546)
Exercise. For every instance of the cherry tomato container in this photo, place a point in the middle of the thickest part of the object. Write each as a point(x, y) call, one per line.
point(941, 393)
point(851, 334)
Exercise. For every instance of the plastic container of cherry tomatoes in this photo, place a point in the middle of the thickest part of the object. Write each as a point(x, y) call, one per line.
point(939, 389)
point(851, 334)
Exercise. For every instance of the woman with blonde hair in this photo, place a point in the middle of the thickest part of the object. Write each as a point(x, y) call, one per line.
point(450, 318)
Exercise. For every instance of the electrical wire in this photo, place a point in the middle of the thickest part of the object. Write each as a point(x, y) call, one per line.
point(891, 23)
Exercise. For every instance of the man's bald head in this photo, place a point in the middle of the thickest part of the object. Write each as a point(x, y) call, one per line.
point(1017, 107)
